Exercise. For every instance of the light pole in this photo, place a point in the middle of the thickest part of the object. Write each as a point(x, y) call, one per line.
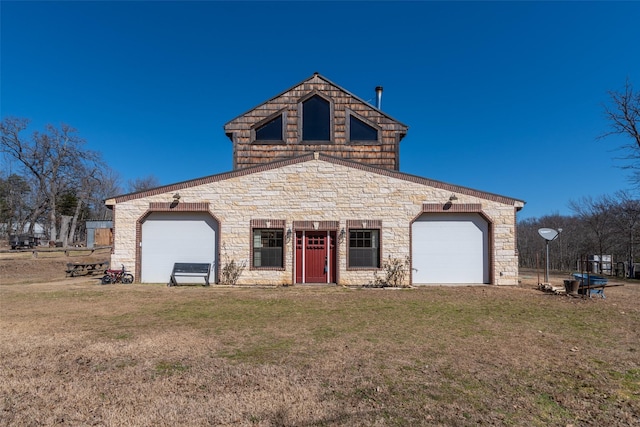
point(548, 234)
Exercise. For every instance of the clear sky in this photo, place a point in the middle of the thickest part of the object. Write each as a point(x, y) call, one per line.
point(503, 97)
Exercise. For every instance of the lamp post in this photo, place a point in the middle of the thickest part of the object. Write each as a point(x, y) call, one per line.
point(548, 234)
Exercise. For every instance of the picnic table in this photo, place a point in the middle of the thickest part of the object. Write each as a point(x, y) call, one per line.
point(86, 268)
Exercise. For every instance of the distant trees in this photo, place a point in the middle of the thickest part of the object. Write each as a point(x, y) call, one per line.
point(141, 184)
point(564, 250)
point(14, 203)
point(596, 219)
point(107, 186)
point(606, 225)
point(55, 180)
point(55, 166)
point(49, 177)
point(623, 114)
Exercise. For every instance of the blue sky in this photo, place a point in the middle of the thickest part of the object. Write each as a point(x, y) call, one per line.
point(503, 97)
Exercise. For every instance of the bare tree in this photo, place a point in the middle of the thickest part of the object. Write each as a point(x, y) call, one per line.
point(14, 210)
point(141, 184)
point(86, 184)
point(596, 215)
point(625, 215)
point(565, 251)
point(623, 114)
point(108, 186)
point(53, 160)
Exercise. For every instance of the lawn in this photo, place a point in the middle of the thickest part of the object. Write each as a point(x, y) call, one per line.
point(78, 353)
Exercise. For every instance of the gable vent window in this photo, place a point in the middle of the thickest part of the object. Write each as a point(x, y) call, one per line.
point(316, 119)
point(270, 131)
point(360, 131)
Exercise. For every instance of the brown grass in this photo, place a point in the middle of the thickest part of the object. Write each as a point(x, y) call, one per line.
point(78, 353)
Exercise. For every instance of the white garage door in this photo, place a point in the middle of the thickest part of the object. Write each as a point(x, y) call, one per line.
point(450, 248)
point(170, 237)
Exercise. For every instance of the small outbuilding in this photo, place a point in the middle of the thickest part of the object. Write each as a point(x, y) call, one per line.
point(316, 196)
point(99, 233)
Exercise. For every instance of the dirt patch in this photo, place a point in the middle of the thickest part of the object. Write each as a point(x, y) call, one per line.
point(24, 268)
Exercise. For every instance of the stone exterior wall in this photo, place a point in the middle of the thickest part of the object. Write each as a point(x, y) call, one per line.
point(319, 189)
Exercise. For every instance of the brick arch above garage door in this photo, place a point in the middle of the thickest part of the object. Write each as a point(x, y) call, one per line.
point(451, 244)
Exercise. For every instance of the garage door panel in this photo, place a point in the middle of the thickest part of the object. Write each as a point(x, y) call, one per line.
point(450, 248)
point(170, 237)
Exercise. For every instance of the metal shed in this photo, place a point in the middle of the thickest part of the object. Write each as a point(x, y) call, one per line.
point(99, 233)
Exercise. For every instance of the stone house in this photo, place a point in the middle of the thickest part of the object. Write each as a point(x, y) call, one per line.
point(316, 196)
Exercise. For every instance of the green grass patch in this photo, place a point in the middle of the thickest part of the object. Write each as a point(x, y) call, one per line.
point(170, 368)
point(628, 383)
point(263, 352)
point(550, 410)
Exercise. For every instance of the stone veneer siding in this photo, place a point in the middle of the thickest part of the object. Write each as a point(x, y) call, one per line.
point(314, 189)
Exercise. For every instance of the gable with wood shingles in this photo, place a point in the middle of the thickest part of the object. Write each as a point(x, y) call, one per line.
point(383, 153)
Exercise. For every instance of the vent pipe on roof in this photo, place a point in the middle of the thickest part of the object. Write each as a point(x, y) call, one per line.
point(379, 97)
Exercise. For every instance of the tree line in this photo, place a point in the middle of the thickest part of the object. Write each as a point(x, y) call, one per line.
point(606, 225)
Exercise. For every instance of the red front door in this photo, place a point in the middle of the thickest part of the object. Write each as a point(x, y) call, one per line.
point(315, 257)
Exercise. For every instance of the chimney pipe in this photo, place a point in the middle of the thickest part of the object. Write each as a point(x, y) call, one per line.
point(379, 97)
